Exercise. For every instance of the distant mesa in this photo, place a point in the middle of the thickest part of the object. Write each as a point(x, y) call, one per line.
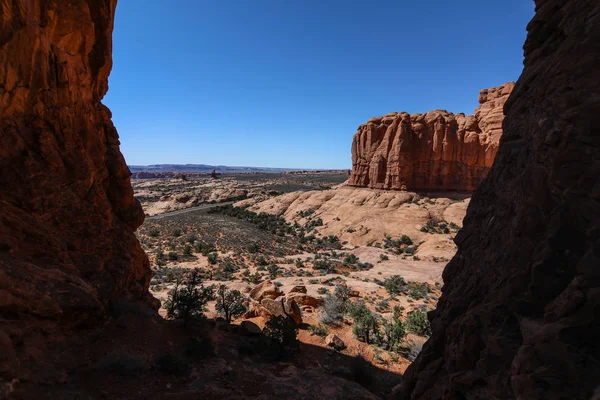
point(438, 150)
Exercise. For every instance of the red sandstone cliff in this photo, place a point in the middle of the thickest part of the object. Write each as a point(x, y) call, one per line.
point(519, 316)
point(433, 151)
point(67, 211)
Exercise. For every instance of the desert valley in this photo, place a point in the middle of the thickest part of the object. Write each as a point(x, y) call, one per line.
point(458, 258)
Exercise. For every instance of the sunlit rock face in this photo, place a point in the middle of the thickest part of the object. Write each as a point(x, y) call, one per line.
point(438, 150)
point(519, 314)
point(67, 211)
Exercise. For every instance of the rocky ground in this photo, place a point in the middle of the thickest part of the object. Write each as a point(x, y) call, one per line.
point(307, 244)
point(181, 191)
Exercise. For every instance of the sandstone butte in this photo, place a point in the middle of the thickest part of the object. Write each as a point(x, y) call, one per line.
point(518, 317)
point(438, 150)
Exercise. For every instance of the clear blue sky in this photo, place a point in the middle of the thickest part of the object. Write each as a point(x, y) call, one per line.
point(285, 83)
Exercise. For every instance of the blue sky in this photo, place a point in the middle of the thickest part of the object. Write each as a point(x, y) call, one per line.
point(285, 83)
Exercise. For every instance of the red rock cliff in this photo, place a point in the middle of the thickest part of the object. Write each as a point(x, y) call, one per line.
point(433, 151)
point(67, 211)
point(519, 316)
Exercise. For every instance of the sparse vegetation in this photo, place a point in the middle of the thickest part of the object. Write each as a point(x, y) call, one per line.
point(394, 284)
point(418, 323)
point(188, 298)
point(230, 303)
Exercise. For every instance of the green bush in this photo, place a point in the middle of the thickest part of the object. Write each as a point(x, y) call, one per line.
point(187, 299)
point(394, 332)
point(417, 323)
point(230, 303)
point(213, 258)
point(154, 232)
point(394, 284)
point(173, 256)
point(319, 330)
point(350, 259)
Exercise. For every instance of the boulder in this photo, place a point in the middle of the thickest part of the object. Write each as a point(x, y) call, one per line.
point(334, 341)
point(265, 290)
point(249, 328)
point(305, 300)
point(282, 307)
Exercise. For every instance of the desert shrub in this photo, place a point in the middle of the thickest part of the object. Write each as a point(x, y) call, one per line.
point(122, 364)
point(187, 299)
point(187, 250)
point(334, 308)
point(261, 260)
point(350, 259)
point(173, 256)
point(418, 323)
point(205, 248)
point(299, 263)
point(255, 278)
point(213, 258)
point(383, 257)
point(154, 232)
point(319, 330)
point(322, 290)
point(417, 291)
point(343, 294)
point(192, 239)
point(394, 284)
point(410, 250)
point(273, 270)
point(253, 247)
point(366, 328)
point(282, 336)
point(176, 232)
point(230, 303)
point(323, 265)
point(172, 365)
point(393, 333)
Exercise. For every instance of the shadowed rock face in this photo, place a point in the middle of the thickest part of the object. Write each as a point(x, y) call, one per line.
point(520, 312)
point(67, 211)
point(433, 151)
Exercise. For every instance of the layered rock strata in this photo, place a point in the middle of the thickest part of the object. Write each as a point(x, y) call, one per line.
point(438, 150)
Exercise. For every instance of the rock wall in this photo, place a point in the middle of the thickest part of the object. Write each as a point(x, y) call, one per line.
point(67, 211)
point(519, 316)
point(433, 151)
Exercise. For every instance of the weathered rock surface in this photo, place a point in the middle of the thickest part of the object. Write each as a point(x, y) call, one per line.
point(67, 211)
point(519, 314)
point(334, 341)
point(265, 290)
point(438, 150)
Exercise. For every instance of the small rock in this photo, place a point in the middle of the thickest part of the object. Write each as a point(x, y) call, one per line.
point(334, 341)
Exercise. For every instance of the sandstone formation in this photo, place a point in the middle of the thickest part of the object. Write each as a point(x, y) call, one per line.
point(67, 211)
point(519, 314)
point(438, 150)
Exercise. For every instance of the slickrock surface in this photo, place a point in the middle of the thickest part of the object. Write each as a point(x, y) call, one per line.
point(67, 211)
point(519, 313)
point(438, 150)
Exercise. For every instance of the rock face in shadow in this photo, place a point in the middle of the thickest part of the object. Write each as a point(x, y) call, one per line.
point(67, 211)
point(520, 312)
point(438, 150)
